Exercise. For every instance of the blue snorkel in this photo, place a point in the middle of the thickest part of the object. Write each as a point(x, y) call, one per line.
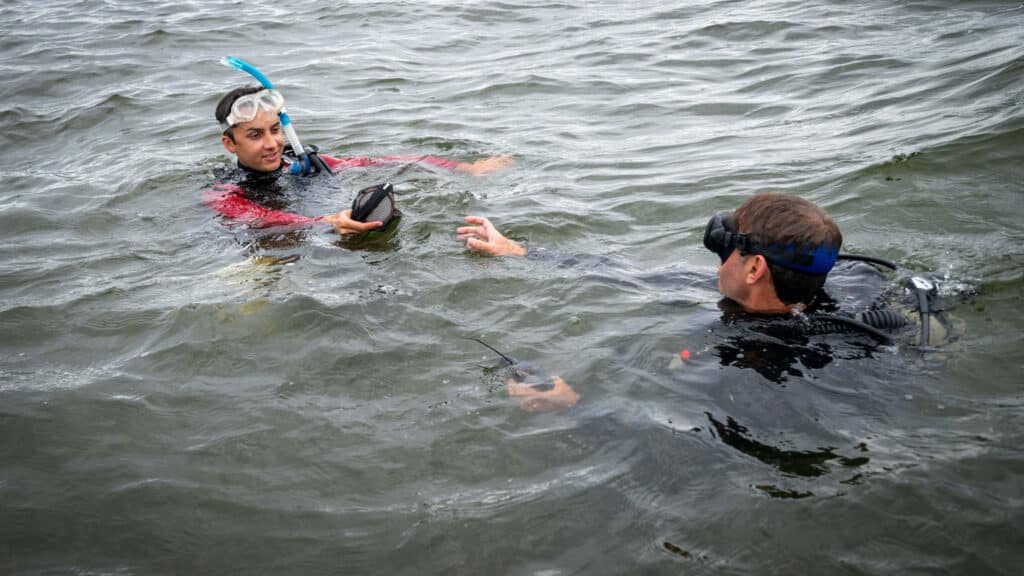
point(309, 161)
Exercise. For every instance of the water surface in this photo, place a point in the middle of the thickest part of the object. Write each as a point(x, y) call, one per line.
point(181, 396)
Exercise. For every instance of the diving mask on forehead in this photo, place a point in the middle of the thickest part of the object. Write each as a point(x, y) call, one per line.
point(245, 108)
point(723, 235)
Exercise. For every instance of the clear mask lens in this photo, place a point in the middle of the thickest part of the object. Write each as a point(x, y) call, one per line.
point(246, 107)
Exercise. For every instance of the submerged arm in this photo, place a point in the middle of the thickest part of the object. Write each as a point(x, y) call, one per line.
point(559, 397)
point(230, 202)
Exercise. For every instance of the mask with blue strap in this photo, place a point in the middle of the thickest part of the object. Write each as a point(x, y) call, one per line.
point(722, 236)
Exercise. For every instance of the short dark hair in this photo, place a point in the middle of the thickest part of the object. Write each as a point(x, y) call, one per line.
point(224, 106)
point(773, 218)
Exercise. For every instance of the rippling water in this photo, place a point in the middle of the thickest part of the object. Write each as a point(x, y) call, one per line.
point(177, 396)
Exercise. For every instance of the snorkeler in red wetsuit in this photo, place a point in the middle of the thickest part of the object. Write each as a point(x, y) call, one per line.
point(252, 132)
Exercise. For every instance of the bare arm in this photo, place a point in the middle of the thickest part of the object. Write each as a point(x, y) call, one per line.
point(478, 168)
point(486, 165)
point(344, 224)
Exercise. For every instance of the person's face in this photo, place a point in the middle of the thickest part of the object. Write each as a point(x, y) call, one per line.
point(732, 278)
point(258, 144)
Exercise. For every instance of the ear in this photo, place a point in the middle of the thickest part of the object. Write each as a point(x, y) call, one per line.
point(228, 143)
point(755, 269)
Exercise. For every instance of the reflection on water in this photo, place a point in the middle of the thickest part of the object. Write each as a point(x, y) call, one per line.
point(773, 359)
point(807, 463)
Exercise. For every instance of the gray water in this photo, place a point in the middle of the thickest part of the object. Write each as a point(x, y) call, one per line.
point(180, 396)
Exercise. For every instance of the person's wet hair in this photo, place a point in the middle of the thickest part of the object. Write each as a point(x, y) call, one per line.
point(224, 105)
point(784, 219)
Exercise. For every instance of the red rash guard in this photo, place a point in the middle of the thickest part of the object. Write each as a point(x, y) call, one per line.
point(230, 201)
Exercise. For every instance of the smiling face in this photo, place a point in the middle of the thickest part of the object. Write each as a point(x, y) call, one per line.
point(257, 144)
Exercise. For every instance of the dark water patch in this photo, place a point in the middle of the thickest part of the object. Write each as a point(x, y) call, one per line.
point(984, 57)
point(866, 66)
point(502, 13)
point(530, 85)
point(769, 111)
point(809, 463)
point(707, 64)
point(23, 219)
point(721, 108)
point(745, 30)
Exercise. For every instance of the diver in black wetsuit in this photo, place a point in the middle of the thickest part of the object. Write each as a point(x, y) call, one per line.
point(776, 253)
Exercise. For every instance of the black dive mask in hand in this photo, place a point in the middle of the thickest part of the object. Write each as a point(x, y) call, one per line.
point(376, 203)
